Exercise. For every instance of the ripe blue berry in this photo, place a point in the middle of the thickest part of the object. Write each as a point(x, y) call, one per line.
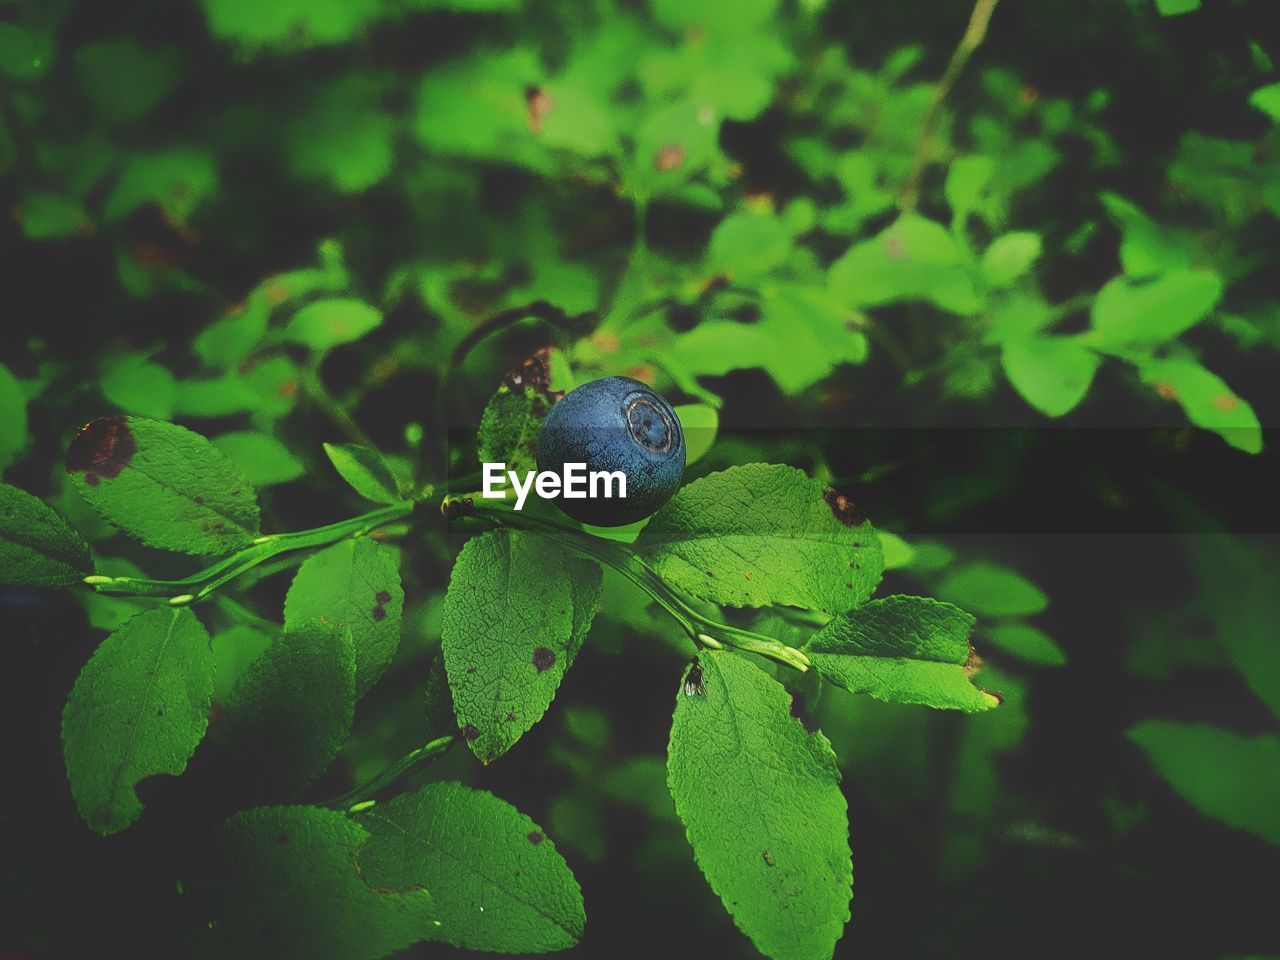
point(615, 424)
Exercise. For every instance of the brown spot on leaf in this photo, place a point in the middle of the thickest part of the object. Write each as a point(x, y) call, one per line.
point(101, 448)
point(534, 373)
point(379, 612)
point(606, 342)
point(842, 508)
point(644, 372)
point(540, 104)
point(536, 837)
point(973, 664)
point(1226, 402)
point(283, 839)
point(768, 859)
point(894, 248)
point(469, 732)
point(543, 658)
point(668, 158)
point(382, 596)
point(1165, 391)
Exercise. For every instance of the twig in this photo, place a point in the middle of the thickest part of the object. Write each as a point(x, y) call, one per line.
point(199, 585)
point(361, 797)
point(703, 630)
point(974, 34)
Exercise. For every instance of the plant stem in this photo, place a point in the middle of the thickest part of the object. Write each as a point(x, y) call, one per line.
point(974, 34)
point(200, 585)
point(407, 764)
point(313, 386)
point(703, 630)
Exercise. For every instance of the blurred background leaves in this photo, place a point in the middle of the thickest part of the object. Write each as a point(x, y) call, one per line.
point(282, 222)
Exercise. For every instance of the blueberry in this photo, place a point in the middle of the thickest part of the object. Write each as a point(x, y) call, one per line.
point(615, 424)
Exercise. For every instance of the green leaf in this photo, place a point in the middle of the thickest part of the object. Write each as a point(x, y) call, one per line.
point(124, 81)
point(136, 385)
point(746, 245)
point(1147, 248)
point(139, 708)
point(1017, 315)
point(234, 649)
point(699, 422)
point(365, 470)
point(913, 259)
point(498, 881)
point(727, 16)
point(1237, 596)
point(991, 591)
point(291, 711)
point(671, 145)
point(1267, 99)
point(576, 120)
point(510, 425)
point(177, 180)
point(286, 877)
point(1157, 310)
point(641, 782)
point(1026, 643)
point(967, 181)
point(1173, 8)
point(264, 459)
point(761, 803)
point(1225, 776)
point(764, 534)
point(802, 334)
point(1009, 257)
point(13, 417)
point(478, 107)
point(51, 216)
point(903, 650)
point(24, 53)
point(353, 583)
point(897, 552)
point(517, 611)
point(288, 22)
point(343, 136)
point(1053, 374)
point(163, 484)
point(1207, 401)
point(37, 547)
point(325, 324)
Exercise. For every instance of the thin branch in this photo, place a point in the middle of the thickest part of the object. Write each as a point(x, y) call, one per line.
point(703, 630)
point(974, 34)
point(361, 797)
point(199, 585)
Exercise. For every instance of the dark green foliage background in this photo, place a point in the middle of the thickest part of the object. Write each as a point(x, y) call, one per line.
point(1039, 829)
